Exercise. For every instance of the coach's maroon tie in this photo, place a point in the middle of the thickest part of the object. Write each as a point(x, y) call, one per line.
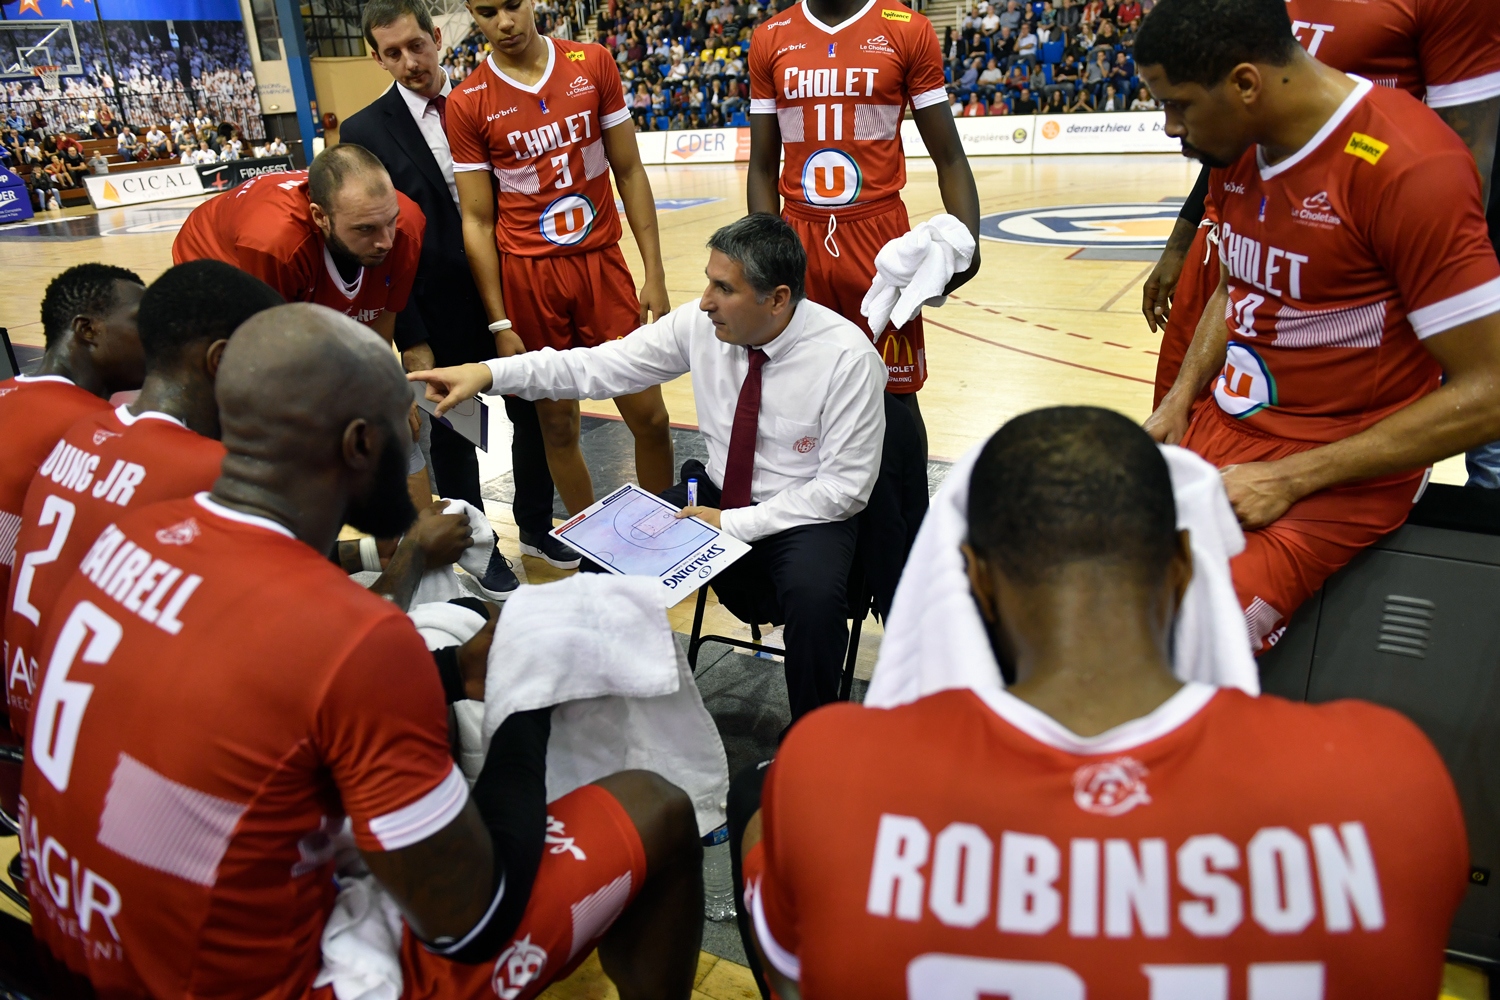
point(441, 103)
point(740, 464)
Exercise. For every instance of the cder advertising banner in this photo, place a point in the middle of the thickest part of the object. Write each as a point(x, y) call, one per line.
point(15, 200)
point(141, 186)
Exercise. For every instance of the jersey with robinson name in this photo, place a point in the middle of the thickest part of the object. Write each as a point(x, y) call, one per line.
point(216, 697)
point(264, 227)
point(545, 144)
point(105, 463)
point(34, 411)
point(1221, 847)
point(1447, 51)
point(839, 94)
point(1340, 259)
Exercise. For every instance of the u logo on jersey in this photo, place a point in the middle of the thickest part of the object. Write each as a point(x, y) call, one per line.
point(567, 220)
point(831, 177)
point(1246, 385)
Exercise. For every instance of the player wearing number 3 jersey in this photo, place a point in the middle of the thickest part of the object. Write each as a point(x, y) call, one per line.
point(1356, 269)
point(1097, 830)
point(829, 83)
point(547, 118)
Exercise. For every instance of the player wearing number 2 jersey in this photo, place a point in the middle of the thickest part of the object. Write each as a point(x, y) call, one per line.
point(88, 320)
point(830, 81)
point(162, 446)
point(1351, 286)
point(1098, 829)
point(547, 118)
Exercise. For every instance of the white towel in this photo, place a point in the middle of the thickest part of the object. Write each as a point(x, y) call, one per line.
point(599, 648)
point(936, 638)
point(913, 269)
point(362, 943)
point(442, 584)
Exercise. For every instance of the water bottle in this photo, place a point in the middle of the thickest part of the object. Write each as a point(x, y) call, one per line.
point(718, 876)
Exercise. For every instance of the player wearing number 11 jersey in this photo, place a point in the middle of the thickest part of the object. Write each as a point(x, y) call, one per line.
point(1357, 269)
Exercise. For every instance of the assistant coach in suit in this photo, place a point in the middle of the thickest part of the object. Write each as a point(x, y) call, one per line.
point(445, 324)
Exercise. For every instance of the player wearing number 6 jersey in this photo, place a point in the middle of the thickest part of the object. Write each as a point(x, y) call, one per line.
point(160, 447)
point(1097, 829)
point(1356, 268)
point(829, 83)
point(547, 118)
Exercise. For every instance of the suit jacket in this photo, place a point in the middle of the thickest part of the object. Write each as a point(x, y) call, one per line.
point(445, 309)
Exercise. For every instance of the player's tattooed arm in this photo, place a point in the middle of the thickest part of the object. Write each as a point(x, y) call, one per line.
point(444, 884)
point(1477, 124)
point(640, 211)
point(955, 179)
point(1204, 359)
point(765, 165)
point(476, 203)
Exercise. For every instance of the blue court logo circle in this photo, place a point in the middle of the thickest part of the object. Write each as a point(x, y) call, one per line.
point(567, 220)
point(1132, 225)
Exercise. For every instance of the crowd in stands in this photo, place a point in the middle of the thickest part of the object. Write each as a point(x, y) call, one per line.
point(461, 58)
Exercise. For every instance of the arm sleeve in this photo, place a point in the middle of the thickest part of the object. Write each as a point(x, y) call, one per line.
point(769, 891)
point(653, 354)
point(465, 140)
point(762, 87)
point(1429, 233)
point(853, 428)
point(382, 730)
point(1458, 45)
point(924, 70)
point(1192, 208)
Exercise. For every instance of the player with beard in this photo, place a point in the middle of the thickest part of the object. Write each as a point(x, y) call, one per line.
point(1357, 272)
point(192, 732)
point(92, 352)
point(338, 234)
point(1444, 51)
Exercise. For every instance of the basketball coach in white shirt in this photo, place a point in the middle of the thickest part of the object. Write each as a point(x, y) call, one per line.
point(790, 405)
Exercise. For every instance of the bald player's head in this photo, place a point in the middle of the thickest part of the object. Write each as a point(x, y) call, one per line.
point(307, 394)
point(354, 204)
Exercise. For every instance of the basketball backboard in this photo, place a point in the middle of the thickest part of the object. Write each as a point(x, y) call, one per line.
point(25, 45)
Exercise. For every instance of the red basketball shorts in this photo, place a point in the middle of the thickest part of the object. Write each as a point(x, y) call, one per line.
point(841, 251)
point(1199, 279)
point(569, 300)
point(593, 865)
point(1286, 561)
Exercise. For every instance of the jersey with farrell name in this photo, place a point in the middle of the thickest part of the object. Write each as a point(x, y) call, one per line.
point(265, 227)
point(105, 463)
point(1447, 51)
point(35, 411)
point(1221, 847)
point(545, 144)
point(1340, 259)
point(216, 698)
point(839, 93)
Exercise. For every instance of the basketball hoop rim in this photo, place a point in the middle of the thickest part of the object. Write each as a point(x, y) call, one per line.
point(49, 75)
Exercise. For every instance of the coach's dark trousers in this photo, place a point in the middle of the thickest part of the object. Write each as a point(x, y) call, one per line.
point(455, 465)
point(798, 577)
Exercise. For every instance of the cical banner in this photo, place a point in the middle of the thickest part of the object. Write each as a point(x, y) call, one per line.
point(138, 187)
point(223, 176)
point(15, 200)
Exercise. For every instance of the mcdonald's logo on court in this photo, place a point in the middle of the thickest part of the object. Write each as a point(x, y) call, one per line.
point(567, 220)
point(831, 177)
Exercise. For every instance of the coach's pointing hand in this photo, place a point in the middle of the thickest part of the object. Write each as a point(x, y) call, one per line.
point(450, 386)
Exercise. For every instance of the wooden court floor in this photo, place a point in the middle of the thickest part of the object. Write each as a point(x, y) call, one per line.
point(1034, 328)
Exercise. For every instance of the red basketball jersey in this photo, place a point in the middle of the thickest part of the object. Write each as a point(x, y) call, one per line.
point(839, 94)
point(264, 227)
point(216, 698)
point(34, 411)
point(1447, 51)
point(1340, 258)
point(105, 462)
point(1221, 847)
point(545, 144)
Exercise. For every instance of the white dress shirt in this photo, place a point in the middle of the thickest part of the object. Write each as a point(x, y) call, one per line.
point(822, 411)
point(431, 127)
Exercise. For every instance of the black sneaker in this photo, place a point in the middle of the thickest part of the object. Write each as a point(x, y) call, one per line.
point(499, 580)
point(548, 549)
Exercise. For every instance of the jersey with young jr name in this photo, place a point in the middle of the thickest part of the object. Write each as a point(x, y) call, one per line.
point(545, 144)
point(1340, 259)
point(218, 701)
point(106, 463)
point(839, 94)
point(1223, 846)
point(1447, 51)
